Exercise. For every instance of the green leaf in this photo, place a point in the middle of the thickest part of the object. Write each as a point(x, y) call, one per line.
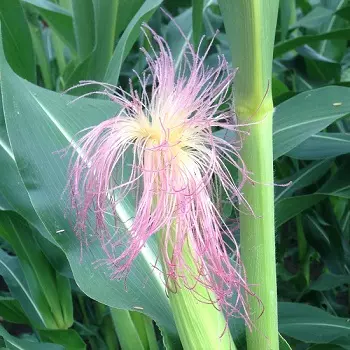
point(16, 39)
point(334, 49)
point(339, 184)
point(69, 338)
point(108, 70)
point(283, 344)
point(302, 178)
point(93, 63)
point(40, 276)
point(175, 39)
point(287, 16)
point(11, 311)
point(311, 325)
point(292, 44)
point(13, 275)
point(278, 88)
point(314, 18)
point(197, 20)
point(13, 190)
point(306, 114)
point(40, 52)
point(84, 27)
point(321, 146)
point(128, 39)
point(49, 6)
point(14, 343)
point(128, 333)
point(344, 12)
point(329, 281)
point(319, 67)
point(325, 237)
point(35, 114)
point(59, 19)
point(326, 347)
point(60, 50)
point(288, 208)
point(105, 14)
point(126, 11)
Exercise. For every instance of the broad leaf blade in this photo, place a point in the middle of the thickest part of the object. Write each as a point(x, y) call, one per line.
point(33, 113)
point(84, 25)
point(14, 343)
point(302, 178)
point(41, 277)
point(59, 19)
point(321, 146)
point(11, 311)
point(16, 39)
point(13, 275)
point(288, 208)
point(306, 114)
point(128, 39)
point(310, 324)
point(68, 338)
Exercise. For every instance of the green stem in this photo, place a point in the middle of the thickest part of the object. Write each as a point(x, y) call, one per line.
point(200, 325)
point(250, 27)
point(258, 236)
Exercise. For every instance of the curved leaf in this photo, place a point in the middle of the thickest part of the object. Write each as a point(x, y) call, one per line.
point(292, 44)
point(306, 114)
point(302, 178)
point(14, 343)
point(33, 113)
point(83, 22)
point(59, 19)
point(321, 146)
point(13, 275)
point(128, 39)
point(16, 39)
point(310, 324)
point(41, 277)
point(288, 208)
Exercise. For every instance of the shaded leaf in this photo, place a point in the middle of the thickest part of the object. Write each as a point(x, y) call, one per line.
point(197, 20)
point(16, 39)
point(322, 145)
point(329, 281)
point(288, 45)
point(84, 27)
point(44, 174)
point(326, 238)
point(59, 19)
point(306, 114)
point(339, 184)
point(302, 178)
point(69, 338)
point(314, 18)
point(128, 39)
point(310, 324)
point(13, 275)
point(11, 311)
point(288, 208)
point(14, 343)
point(40, 276)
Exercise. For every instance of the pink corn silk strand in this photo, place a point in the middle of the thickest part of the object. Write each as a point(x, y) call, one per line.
point(175, 164)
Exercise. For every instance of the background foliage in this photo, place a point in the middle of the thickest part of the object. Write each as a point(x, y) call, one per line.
point(51, 295)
